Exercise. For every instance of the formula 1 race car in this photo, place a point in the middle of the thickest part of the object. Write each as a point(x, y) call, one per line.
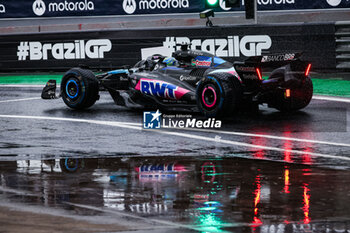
point(193, 80)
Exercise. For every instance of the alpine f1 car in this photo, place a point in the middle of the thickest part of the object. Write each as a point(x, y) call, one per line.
point(193, 80)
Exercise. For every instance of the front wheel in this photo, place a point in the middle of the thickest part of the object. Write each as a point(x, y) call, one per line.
point(71, 165)
point(79, 88)
point(217, 96)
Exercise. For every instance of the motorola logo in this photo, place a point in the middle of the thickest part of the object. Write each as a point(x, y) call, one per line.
point(223, 5)
point(129, 6)
point(39, 7)
point(334, 2)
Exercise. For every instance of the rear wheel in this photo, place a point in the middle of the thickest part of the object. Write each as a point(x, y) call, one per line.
point(300, 97)
point(218, 95)
point(79, 88)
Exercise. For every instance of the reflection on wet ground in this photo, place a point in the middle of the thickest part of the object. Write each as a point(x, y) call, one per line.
point(196, 194)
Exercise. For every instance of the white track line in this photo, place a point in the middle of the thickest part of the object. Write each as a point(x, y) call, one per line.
point(183, 135)
point(157, 221)
point(269, 136)
point(254, 135)
point(25, 193)
point(331, 98)
point(62, 213)
point(227, 132)
point(16, 191)
point(17, 100)
point(123, 214)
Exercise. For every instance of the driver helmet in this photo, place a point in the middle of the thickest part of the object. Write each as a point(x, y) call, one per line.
point(170, 61)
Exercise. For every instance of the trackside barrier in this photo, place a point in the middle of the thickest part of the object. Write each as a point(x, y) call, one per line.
point(107, 49)
point(57, 8)
point(342, 37)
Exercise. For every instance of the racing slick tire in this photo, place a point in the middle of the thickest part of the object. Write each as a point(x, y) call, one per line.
point(79, 88)
point(300, 95)
point(218, 95)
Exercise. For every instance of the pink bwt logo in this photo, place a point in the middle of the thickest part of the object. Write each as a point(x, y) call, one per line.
point(160, 89)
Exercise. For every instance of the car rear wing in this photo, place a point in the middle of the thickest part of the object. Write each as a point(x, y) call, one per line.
point(254, 66)
point(274, 60)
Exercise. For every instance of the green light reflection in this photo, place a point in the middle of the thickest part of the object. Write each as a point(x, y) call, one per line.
point(209, 223)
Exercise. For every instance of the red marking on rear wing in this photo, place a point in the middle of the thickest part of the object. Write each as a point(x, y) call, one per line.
point(307, 71)
point(258, 71)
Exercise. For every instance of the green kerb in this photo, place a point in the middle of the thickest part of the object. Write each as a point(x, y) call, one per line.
point(29, 79)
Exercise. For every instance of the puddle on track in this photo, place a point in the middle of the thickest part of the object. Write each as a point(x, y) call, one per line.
point(208, 194)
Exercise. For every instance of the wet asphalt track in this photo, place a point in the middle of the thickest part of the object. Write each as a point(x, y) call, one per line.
point(296, 178)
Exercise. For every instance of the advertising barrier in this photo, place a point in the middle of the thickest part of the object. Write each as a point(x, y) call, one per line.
point(62, 8)
point(110, 49)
